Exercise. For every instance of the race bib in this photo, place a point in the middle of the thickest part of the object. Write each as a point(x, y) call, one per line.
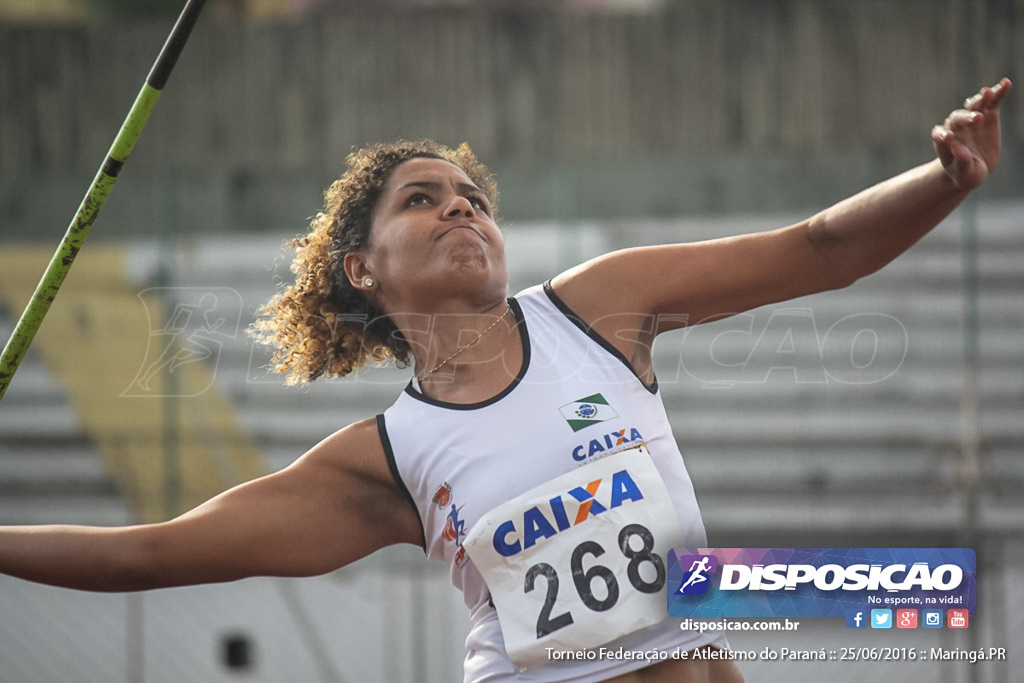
point(579, 560)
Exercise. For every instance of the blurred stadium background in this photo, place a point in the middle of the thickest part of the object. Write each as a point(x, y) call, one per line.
point(887, 414)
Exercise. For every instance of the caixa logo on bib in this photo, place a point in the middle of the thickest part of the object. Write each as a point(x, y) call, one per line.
point(816, 582)
point(565, 511)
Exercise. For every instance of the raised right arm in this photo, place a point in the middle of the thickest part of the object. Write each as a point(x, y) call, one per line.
point(334, 505)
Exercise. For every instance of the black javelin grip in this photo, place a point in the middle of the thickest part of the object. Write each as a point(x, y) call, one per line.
point(168, 56)
point(96, 196)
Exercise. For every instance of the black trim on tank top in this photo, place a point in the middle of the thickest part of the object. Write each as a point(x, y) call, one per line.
point(597, 338)
point(389, 455)
point(524, 336)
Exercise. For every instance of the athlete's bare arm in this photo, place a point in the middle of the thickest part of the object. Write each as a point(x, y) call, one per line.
point(702, 281)
point(334, 505)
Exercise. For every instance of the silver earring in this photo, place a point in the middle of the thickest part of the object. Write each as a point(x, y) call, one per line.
point(368, 282)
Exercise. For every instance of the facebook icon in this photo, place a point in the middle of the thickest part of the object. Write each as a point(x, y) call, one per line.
point(856, 618)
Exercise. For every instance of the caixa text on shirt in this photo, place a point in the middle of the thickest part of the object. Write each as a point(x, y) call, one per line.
point(612, 442)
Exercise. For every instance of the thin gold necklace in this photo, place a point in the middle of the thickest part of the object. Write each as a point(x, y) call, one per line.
point(466, 346)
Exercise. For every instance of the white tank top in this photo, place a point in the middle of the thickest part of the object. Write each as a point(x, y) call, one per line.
point(574, 401)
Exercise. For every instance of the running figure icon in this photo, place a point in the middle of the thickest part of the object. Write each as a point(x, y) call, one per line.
point(698, 570)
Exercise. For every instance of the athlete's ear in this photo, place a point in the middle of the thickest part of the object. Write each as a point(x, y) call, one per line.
point(358, 271)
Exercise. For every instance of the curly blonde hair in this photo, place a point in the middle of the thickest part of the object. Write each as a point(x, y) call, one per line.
point(321, 325)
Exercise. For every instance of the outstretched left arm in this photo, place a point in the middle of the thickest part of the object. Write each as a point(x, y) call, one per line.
point(703, 281)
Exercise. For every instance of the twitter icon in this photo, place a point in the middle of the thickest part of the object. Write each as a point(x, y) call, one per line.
point(881, 618)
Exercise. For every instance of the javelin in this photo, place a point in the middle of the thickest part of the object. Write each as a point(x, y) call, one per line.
point(97, 194)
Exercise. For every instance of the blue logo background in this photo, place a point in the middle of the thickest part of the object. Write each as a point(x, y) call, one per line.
point(696, 578)
point(856, 618)
point(931, 618)
point(881, 618)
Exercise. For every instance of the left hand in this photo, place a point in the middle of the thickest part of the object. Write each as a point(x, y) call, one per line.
point(968, 142)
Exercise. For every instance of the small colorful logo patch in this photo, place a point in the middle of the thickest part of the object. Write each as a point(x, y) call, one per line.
point(586, 411)
point(442, 496)
point(454, 526)
point(454, 531)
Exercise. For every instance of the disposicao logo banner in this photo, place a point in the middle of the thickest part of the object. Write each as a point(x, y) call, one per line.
point(817, 582)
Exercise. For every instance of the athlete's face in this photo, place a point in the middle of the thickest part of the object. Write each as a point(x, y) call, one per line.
point(433, 235)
